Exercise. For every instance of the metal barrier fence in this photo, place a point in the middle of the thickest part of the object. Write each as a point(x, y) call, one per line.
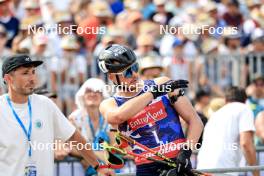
point(236, 69)
point(220, 69)
point(243, 170)
point(226, 70)
point(70, 161)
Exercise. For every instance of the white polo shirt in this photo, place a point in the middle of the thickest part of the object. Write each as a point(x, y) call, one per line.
point(221, 148)
point(48, 124)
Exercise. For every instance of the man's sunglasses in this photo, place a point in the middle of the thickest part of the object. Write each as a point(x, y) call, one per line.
point(129, 71)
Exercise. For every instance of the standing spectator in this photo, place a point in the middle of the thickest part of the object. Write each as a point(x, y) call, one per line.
point(68, 72)
point(151, 67)
point(4, 51)
point(229, 48)
point(255, 58)
point(231, 42)
point(214, 105)
point(87, 118)
point(259, 139)
point(132, 20)
point(255, 21)
point(259, 123)
point(233, 16)
point(46, 123)
point(10, 22)
point(63, 19)
point(99, 16)
point(31, 8)
point(161, 15)
point(229, 134)
point(256, 100)
point(177, 65)
point(145, 46)
point(22, 43)
point(211, 9)
point(39, 52)
point(202, 100)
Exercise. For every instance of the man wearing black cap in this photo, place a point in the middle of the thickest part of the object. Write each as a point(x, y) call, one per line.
point(30, 121)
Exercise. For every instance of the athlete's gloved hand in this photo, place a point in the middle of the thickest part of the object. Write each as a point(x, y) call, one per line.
point(183, 165)
point(183, 161)
point(169, 86)
point(174, 172)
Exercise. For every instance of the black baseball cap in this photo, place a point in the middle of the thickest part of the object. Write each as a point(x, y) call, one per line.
point(15, 61)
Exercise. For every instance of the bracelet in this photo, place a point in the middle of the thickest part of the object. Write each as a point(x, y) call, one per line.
point(91, 171)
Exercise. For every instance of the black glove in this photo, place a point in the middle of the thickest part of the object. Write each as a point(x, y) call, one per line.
point(174, 172)
point(183, 164)
point(183, 161)
point(169, 86)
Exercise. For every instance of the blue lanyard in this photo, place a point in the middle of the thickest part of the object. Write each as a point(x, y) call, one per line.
point(101, 121)
point(27, 132)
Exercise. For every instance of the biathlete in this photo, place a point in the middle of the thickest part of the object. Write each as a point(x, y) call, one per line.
point(149, 112)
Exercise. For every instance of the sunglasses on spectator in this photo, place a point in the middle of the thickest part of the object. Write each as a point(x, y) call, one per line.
point(88, 91)
point(129, 71)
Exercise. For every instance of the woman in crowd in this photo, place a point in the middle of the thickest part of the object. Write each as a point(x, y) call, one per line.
point(87, 117)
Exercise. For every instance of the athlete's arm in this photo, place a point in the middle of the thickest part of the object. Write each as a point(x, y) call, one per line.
point(188, 114)
point(116, 115)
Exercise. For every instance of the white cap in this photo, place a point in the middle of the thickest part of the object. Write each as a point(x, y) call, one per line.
point(31, 4)
point(159, 2)
point(150, 62)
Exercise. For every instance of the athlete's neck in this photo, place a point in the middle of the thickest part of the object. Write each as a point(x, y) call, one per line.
point(17, 98)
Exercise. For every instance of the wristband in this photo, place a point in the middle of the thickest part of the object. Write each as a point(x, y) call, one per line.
point(174, 98)
point(91, 170)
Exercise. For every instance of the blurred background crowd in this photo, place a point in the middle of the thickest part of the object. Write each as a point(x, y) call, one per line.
point(75, 31)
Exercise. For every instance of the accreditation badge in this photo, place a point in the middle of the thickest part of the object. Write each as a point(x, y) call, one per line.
point(31, 169)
